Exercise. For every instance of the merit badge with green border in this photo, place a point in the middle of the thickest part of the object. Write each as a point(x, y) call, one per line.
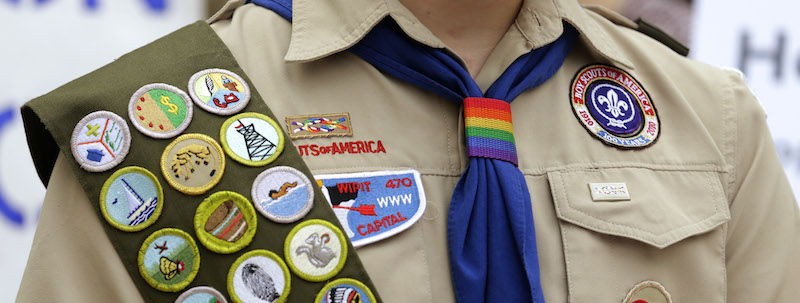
point(160, 110)
point(193, 163)
point(100, 141)
point(225, 222)
point(219, 91)
point(283, 194)
point(315, 250)
point(169, 260)
point(201, 294)
point(131, 199)
point(345, 290)
point(319, 126)
point(252, 139)
point(259, 276)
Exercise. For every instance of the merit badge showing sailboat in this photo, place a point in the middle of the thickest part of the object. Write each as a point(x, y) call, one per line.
point(131, 199)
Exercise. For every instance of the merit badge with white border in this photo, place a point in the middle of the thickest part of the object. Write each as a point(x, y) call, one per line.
point(283, 194)
point(373, 206)
point(345, 290)
point(169, 260)
point(100, 141)
point(315, 250)
point(318, 126)
point(225, 222)
point(131, 199)
point(201, 294)
point(252, 139)
point(193, 163)
point(219, 91)
point(648, 292)
point(160, 110)
point(614, 107)
point(259, 276)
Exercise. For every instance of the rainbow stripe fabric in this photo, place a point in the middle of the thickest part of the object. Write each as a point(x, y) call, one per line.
point(489, 130)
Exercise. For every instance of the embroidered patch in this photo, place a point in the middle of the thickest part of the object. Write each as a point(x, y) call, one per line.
point(315, 126)
point(648, 292)
point(225, 222)
point(614, 107)
point(352, 147)
point(259, 276)
point(160, 110)
point(315, 250)
point(131, 199)
point(609, 191)
point(219, 91)
point(252, 139)
point(373, 206)
point(345, 291)
point(283, 194)
point(100, 141)
point(201, 294)
point(169, 260)
point(193, 163)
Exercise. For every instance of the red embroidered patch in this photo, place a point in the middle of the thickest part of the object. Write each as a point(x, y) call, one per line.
point(352, 147)
point(640, 301)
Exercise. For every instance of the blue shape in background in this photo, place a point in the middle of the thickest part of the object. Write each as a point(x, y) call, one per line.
point(157, 6)
point(6, 210)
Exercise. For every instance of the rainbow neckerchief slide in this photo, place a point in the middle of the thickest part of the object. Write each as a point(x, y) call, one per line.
point(489, 130)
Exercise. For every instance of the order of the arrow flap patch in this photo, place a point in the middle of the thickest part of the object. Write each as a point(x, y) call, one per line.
point(373, 206)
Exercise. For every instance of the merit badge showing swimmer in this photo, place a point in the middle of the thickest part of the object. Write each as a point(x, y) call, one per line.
point(373, 206)
point(193, 163)
point(160, 110)
point(259, 276)
point(219, 91)
point(315, 250)
point(100, 141)
point(252, 139)
point(131, 199)
point(345, 291)
point(283, 194)
point(225, 222)
point(614, 107)
point(169, 260)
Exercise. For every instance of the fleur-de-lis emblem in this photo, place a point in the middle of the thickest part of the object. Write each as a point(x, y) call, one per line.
point(613, 104)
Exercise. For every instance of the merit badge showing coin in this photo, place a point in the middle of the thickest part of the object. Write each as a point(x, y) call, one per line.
point(201, 294)
point(193, 163)
point(345, 291)
point(160, 110)
point(131, 199)
point(100, 141)
point(259, 276)
point(225, 222)
point(169, 260)
point(219, 91)
point(614, 107)
point(252, 139)
point(315, 250)
point(283, 194)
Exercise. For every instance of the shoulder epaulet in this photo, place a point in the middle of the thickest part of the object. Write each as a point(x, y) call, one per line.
point(641, 26)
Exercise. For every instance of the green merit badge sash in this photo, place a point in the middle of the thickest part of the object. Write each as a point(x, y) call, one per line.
point(193, 192)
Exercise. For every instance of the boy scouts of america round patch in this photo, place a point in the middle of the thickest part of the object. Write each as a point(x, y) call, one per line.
point(259, 276)
point(100, 141)
point(315, 250)
point(225, 222)
point(283, 194)
point(193, 163)
point(648, 292)
point(219, 91)
point(345, 291)
point(614, 107)
point(160, 110)
point(252, 139)
point(169, 260)
point(131, 199)
point(201, 294)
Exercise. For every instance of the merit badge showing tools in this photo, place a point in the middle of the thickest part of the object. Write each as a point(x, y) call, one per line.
point(100, 141)
point(373, 206)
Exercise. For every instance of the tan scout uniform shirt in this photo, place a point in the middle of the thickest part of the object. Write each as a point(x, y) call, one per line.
point(711, 215)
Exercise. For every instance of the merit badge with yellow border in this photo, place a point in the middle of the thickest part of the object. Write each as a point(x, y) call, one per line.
point(614, 107)
point(323, 125)
point(315, 250)
point(225, 222)
point(193, 163)
point(100, 141)
point(283, 194)
point(131, 199)
point(169, 260)
point(219, 91)
point(160, 110)
point(259, 276)
point(648, 292)
point(201, 294)
point(252, 139)
point(345, 290)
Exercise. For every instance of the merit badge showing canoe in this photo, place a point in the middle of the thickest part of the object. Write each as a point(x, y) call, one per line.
point(314, 126)
point(373, 206)
point(283, 194)
point(160, 110)
point(100, 141)
point(169, 260)
point(201, 294)
point(219, 91)
point(225, 222)
point(252, 139)
point(315, 250)
point(131, 199)
point(259, 276)
point(345, 291)
point(193, 163)
point(614, 107)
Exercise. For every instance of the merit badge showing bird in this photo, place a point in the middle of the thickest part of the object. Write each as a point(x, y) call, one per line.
point(373, 206)
point(193, 163)
point(160, 110)
point(283, 194)
point(225, 222)
point(100, 141)
point(259, 276)
point(252, 139)
point(345, 291)
point(315, 250)
point(169, 260)
point(219, 91)
point(614, 107)
point(131, 199)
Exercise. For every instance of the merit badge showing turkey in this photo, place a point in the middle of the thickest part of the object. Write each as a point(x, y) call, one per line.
point(225, 222)
point(283, 194)
point(315, 250)
point(259, 276)
point(169, 260)
point(219, 91)
point(313, 126)
point(100, 141)
point(252, 139)
point(193, 163)
point(373, 206)
point(131, 199)
point(614, 107)
point(160, 110)
point(345, 291)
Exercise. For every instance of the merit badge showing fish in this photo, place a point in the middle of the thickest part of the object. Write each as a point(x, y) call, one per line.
point(201, 294)
point(345, 291)
point(259, 276)
point(160, 110)
point(373, 206)
point(169, 260)
point(313, 126)
point(225, 222)
point(614, 107)
point(252, 139)
point(193, 163)
point(219, 91)
point(131, 199)
point(100, 141)
point(315, 250)
point(283, 194)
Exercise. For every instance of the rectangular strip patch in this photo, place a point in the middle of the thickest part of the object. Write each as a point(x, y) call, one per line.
point(319, 126)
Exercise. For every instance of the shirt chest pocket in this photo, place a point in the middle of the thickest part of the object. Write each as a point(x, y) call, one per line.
point(670, 231)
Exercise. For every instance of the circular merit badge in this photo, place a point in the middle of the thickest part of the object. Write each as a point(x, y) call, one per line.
point(131, 199)
point(193, 163)
point(283, 194)
point(219, 91)
point(225, 222)
point(169, 260)
point(259, 276)
point(252, 139)
point(160, 110)
point(201, 294)
point(614, 107)
point(345, 291)
point(100, 141)
point(315, 250)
